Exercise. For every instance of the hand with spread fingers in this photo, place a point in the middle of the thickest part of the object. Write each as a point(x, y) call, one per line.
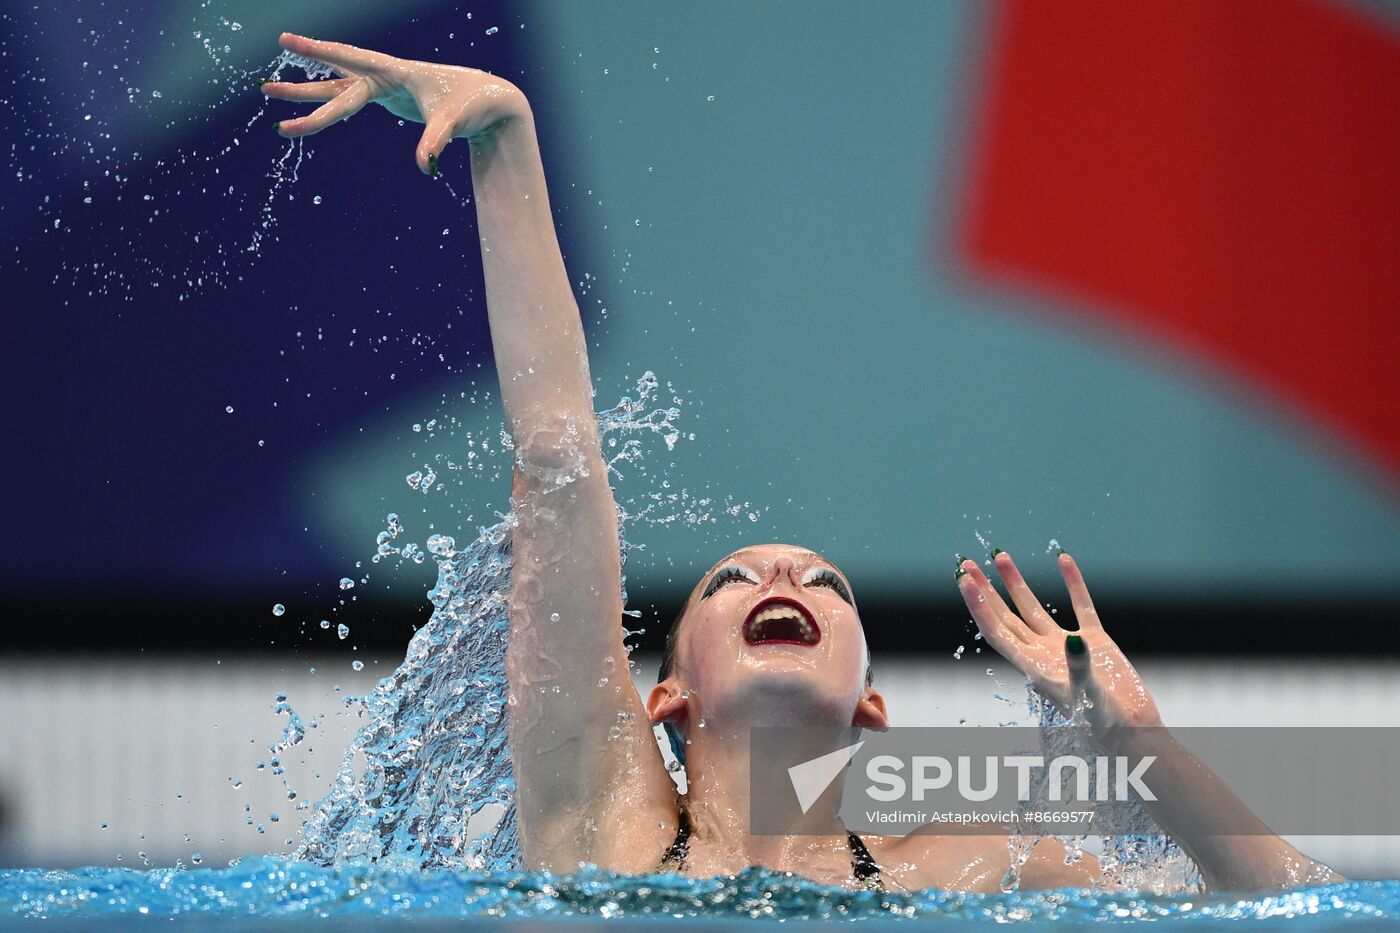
point(1081, 669)
point(1085, 670)
point(451, 101)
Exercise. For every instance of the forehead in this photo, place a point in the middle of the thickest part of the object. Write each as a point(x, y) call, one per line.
point(767, 553)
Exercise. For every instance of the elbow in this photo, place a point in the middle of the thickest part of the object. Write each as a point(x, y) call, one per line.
point(557, 449)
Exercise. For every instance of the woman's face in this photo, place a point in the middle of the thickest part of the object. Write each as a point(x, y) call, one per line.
point(775, 626)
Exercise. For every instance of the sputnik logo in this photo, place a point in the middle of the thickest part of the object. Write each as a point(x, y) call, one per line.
point(810, 779)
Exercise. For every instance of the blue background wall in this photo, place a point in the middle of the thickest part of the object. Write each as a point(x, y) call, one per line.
point(747, 195)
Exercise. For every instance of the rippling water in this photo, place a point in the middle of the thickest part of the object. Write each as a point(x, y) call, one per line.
point(272, 888)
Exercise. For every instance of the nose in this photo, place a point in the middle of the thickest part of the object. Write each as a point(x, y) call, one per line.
point(782, 567)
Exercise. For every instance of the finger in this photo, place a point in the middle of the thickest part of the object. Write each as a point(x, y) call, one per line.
point(337, 54)
point(436, 135)
point(346, 105)
point(1027, 605)
point(308, 90)
point(993, 599)
point(1081, 672)
point(1079, 594)
point(989, 623)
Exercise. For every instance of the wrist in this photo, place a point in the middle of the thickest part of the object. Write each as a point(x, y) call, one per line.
point(511, 123)
point(1136, 741)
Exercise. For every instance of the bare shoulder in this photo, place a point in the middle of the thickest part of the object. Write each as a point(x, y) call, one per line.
point(978, 863)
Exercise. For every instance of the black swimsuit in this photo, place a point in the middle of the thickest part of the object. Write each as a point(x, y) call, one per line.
point(862, 864)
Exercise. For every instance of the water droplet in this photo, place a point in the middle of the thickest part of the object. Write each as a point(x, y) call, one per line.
point(346, 583)
point(316, 199)
point(492, 31)
point(325, 623)
point(197, 858)
point(357, 664)
point(278, 609)
point(229, 409)
point(342, 630)
point(554, 617)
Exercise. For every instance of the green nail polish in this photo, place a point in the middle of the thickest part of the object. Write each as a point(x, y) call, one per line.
point(1074, 645)
point(432, 164)
point(996, 551)
point(1059, 551)
point(959, 574)
point(261, 82)
point(277, 127)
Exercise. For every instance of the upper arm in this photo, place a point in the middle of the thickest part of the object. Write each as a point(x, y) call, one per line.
point(589, 775)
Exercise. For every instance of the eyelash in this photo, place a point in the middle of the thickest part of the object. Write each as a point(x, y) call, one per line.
point(824, 577)
point(818, 577)
point(727, 575)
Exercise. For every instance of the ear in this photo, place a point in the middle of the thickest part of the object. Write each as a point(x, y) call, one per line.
point(870, 712)
point(666, 703)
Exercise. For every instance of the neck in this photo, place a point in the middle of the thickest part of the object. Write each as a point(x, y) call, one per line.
point(718, 797)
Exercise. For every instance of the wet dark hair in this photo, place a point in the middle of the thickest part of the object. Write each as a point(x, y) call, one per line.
point(668, 664)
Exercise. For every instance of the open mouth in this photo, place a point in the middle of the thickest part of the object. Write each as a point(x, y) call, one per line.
point(778, 620)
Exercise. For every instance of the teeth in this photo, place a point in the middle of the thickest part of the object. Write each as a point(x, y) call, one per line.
point(755, 626)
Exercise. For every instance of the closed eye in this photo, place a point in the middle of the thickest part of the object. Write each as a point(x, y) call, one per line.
point(821, 576)
point(732, 573)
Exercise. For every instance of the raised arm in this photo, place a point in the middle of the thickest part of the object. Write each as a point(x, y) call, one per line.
point(1086, 664)
point(591, 785)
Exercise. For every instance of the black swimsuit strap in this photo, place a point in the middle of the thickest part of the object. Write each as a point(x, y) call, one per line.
point(863, 865)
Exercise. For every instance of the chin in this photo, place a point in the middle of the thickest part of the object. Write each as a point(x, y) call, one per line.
point(783, 690)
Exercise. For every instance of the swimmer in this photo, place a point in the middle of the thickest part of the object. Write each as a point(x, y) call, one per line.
point(769, 636)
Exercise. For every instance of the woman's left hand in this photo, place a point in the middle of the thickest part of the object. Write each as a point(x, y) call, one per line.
point(1068, 668)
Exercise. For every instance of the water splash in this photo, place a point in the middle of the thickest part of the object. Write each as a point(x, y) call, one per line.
point(433, 771)
point(97, 146)
point(1151, 862)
